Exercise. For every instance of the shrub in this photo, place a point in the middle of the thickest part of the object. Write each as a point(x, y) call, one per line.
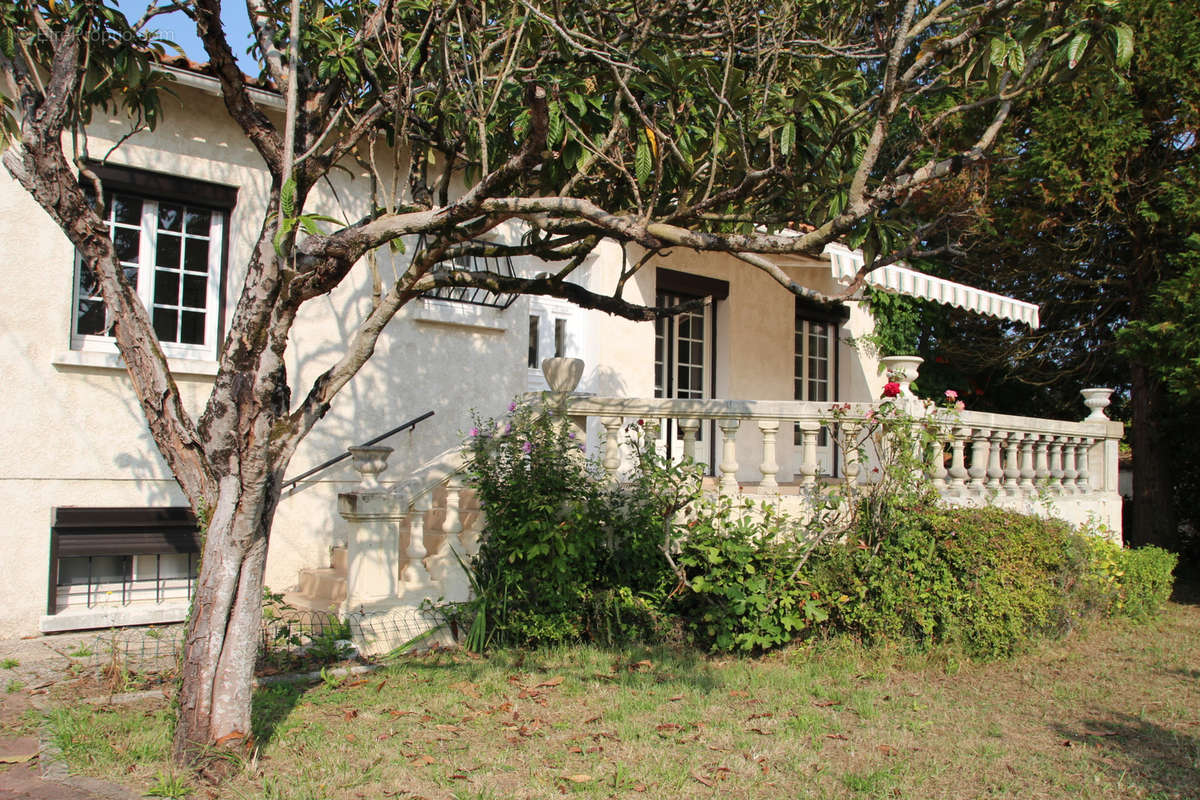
point(564, 555)
point(1147, 574)
point(743, 587)
point(987, 580)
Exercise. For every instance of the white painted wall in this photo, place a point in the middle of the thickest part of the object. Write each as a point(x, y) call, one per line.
point(74, 435)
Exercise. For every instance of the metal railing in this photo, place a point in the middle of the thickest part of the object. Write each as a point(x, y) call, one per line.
point(412, 423)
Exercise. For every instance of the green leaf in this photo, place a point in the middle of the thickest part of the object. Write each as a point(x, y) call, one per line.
point(557, 126)
point(642, 162)
point(1016, 58)
point(281, 234)
point(1124, 35)
point(287, 197)
point(1076, 47)
point(787, 138)
point(999, 50)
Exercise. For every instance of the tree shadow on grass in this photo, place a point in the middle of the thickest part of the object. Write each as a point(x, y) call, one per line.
point(627, 667)
point(1165, 762)
point(271, 705)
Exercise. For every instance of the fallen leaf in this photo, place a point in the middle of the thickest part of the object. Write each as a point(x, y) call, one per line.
point(574, 749)
point(703, 780)
point(639, 787)
point(739, 693)
point(761, 731)
point(763, 715)
point(675, 698)
point(888, 750)
point(423, 760)
point(826, 703)
point(350, 714)
point(840, 736)
point(555, 681)
point(352, 684)
point(577, 778)
point(379, 686)
point(591, 719)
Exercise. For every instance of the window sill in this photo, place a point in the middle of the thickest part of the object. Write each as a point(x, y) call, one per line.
point(70, 619)
point(459, 315)
point(94, 360)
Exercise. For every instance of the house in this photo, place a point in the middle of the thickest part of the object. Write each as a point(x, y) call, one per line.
point(98, 533)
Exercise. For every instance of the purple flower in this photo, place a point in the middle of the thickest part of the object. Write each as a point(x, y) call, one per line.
point(508, 428)
point(527, 446)
point(571, 435)
point(512, 406)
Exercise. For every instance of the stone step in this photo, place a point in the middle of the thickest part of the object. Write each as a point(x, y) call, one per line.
point(323, 584)
point(338, 559)
point(296, 602)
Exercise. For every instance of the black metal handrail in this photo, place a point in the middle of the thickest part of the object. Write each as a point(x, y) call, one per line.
point(412, 423)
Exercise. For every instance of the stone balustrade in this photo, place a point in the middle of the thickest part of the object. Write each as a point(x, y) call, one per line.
point(1036, 465)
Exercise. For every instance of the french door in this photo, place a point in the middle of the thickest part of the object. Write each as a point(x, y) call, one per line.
point(683, 369)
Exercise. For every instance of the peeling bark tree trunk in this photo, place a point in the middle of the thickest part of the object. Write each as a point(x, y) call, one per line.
point(225, 624)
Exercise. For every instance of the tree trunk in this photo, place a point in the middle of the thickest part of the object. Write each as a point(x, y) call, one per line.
point(225, 623)
point(1153, 518)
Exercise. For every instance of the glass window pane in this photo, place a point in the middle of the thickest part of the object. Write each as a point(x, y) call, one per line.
point(166, 321)
point(166, 288)
point(195, 291)
point(170, 217)
point(126, 242)
point(168, 251)
point(103, 569)
point(127, 210)
point(90, 318)
point(131, 276)
point(195, 255)
point(191, 327)
point(87, 282)
point(533, 341)
point(197, 221)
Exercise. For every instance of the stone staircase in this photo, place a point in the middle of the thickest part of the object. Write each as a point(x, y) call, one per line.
point(321, 588)
point(325, 588)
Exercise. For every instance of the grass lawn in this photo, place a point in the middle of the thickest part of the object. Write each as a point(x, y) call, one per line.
point(1113, 712)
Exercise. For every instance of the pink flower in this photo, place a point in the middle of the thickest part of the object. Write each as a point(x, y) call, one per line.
point(951, 394)
point(474, 432)
point(512, 406)
point(960, 406)
point(891, 389)
point(527, 446)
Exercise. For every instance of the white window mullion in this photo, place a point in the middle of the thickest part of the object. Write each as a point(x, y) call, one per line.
point(148, 256)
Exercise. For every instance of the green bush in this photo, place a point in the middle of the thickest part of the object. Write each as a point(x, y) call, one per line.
point(744, 590)
point(1145, 583)
point(565, 555)
point(987, 580)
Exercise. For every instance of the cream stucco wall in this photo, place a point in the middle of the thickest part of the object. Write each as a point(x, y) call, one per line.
point(74, 436)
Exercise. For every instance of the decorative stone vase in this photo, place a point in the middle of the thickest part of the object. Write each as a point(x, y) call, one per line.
point(369, 462)
point(903, 370)
point(1097, 399)
point(562, 374)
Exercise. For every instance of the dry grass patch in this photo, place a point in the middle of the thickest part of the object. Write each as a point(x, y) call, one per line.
point(1114, 713)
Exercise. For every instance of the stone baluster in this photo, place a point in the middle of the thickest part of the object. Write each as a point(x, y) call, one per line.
point(937, 460)
point(851, 451)
point(415, 576)
point(958, 469)
point(1083, 480)
point(1041, 467)
point(1012, 466)
point(1056, 464)
point(979, 459)
point(809, 431)
point(770, 465)
point(612, 446)
point(1070, 473)
point(653, 426)
point(689, 428)
point(995, 469)
point(1028, 441)
point(729, 464)
point(452, 523)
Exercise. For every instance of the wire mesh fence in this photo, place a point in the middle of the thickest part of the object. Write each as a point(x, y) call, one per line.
point(289, 638)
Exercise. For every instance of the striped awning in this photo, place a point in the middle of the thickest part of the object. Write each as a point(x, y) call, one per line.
point(845, 264)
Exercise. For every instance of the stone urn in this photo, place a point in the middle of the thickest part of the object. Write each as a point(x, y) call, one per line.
point(562, 374)
point(1097, 399)
point(369, 462)
point(903, 370)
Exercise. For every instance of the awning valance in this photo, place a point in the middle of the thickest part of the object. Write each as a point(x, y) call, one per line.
point(845, 264)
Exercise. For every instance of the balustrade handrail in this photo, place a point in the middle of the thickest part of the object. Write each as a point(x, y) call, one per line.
point(412, 423)
point(801, 410)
